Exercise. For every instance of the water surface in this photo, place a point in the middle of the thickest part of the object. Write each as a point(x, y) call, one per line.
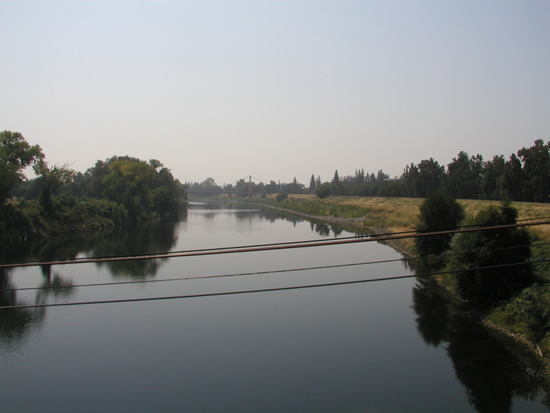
point(390, 346)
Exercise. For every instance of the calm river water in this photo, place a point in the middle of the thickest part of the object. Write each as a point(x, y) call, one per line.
point(391, 346)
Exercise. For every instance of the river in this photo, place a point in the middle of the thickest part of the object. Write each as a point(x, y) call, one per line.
point(386, 346)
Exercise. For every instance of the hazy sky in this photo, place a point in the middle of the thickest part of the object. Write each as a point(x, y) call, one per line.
point(275, 89)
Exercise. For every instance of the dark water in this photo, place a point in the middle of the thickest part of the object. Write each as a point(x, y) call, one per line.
point(393, 346)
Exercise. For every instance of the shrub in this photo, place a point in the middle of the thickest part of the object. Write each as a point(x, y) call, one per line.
point(483, 255)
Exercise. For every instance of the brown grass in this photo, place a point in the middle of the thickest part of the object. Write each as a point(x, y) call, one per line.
point(401, 214)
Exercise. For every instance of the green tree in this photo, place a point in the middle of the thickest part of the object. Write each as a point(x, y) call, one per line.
point(272, 188)
point(512, 181)
point(51, 179)
point(491, 178)
point(430, 177)
point(293, 188)
point(411, 178)
point(424, 178)
point(438, 212)
point(472, 251)
point(312, 184)
point(144, 189)
point(381, 176)
point(323, 191)
point(15, 155)
point(336, 186)
point(536, 166)
point(464, 176)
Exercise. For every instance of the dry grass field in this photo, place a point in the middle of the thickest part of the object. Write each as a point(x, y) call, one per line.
point(401, 214)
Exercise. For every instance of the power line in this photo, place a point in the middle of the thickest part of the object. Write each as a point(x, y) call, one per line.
point(286, 270)
point(272, 247)
point(167, 253)
point(264, 290)
point(205, 277)
point(162, 254)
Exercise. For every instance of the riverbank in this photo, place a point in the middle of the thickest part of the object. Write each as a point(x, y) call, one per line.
point(23, 221)
point(388, 215)
point(393, 215)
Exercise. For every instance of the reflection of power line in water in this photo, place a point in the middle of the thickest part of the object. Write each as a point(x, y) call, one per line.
point(276, 246)
point(266, 290)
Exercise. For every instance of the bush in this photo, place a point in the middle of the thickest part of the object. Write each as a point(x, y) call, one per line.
point(438, 212)
point(528, 313)
point(496, 247)
point(323, 191)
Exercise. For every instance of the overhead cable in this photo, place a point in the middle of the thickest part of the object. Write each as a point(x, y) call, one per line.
point(265, 290)
point(270, 247)
point(250, 273)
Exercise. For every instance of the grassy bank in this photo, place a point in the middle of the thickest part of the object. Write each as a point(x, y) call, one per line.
point(375, 214)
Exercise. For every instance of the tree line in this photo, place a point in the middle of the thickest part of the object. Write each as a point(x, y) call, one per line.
point(113, 192)
point(524, 176)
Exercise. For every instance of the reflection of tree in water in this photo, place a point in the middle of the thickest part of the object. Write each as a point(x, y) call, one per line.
point(336, 230)
point(493, 368)
point(492, 373)
point(432, 313)
point(16, 324)
point(49, 249)
point(148, 238)
point(54, 286)
point(324, 230)
point(272, 216)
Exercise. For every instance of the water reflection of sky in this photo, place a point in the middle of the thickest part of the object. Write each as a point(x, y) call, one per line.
point(346, 348)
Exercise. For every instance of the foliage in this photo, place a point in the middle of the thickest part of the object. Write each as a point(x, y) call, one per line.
point(492, 178)
point(464, 176)
point(528, 314)
point(312, 184)
point(323, 191)
point(28, 220)
point(438, 212)
point(425, 178)
point(145, 189)
point(205, 189)
point(15, 155)
point(51, 179)
point(475, 253)
point(105, 196)
point(281, 196)
point(336, 187)
point(536, 167)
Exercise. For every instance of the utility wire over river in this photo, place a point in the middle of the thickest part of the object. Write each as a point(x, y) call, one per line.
point(271, 247)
